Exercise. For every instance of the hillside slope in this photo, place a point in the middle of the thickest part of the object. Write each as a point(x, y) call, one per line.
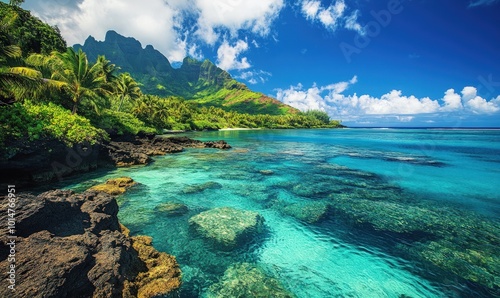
point(200, 81)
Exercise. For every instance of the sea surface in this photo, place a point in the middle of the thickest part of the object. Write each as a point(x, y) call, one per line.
point(410, 212)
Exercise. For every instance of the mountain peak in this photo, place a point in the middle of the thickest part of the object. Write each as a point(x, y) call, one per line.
point(198, 80)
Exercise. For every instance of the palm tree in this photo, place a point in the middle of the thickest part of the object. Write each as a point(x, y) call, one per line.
point(108, 69)
point(126, 88)
point(15, 79)
point(82, 81)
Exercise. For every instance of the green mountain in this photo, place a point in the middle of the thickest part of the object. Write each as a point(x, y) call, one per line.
point(200, 81)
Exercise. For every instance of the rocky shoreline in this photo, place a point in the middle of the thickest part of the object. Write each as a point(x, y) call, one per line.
point(72, 245)
point(46, 161)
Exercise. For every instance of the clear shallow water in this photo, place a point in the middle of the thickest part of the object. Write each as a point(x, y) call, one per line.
point(333, 257)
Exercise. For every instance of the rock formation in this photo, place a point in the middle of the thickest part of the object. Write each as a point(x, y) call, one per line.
point(247, 280)
point(115, 186)
point(172, 208)
point(72, 245)
point(139, 150)
point(227, 227)
point(49, 160)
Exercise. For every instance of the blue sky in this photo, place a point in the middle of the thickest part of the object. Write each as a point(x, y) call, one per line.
point(366, 62)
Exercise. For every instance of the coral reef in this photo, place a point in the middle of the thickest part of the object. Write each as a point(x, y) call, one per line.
point(226, 226)
point(172, 208)
point(245, 280)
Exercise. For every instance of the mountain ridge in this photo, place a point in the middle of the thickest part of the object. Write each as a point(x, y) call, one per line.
point(199, 81)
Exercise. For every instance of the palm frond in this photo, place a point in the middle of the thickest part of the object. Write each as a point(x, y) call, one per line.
point(11, 51)
point(26, 71)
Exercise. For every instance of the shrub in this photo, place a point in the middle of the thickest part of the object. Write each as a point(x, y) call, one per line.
point(122, 123)
point(53, 121)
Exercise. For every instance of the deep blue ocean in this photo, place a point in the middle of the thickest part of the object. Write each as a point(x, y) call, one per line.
point(413, 212)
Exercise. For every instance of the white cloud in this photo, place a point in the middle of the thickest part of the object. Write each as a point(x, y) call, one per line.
point(468, 93)
point(195, 52)
point(311, 9)
point(331, 99)
point(477, 104)
point(475, 3)
point(452, 100)
point(352, 23)
point(173, 27)
point(301, 99)
point(254, 77)
point(227, 56)
point(234, 15)
point(331, 17)
point(152, 23)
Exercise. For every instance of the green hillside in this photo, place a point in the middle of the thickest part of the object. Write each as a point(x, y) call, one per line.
point(199, 81)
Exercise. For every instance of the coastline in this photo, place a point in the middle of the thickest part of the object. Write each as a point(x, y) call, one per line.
point(87, 227)
point(238, 128)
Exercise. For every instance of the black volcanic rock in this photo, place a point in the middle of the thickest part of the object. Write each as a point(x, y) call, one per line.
point(139, 150)
point(72, 245)
point(47, 160)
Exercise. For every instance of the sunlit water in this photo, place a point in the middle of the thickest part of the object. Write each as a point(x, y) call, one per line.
point(331, 258)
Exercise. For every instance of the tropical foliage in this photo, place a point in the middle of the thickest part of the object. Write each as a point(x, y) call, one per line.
point(31, 122)
point(29, 33)
point(60, 94)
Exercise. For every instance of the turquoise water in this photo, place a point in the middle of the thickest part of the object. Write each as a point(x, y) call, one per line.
point(336, 257)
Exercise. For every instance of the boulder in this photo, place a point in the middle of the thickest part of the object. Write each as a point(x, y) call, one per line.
point(201, 187)
point(115, 186)
point(246, 280)
point(266, 172)
point(227, 227)
point(72, 245)
point(172, 208)
point(310, 212)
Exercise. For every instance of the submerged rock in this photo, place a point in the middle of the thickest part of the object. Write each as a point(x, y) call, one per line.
point(459, 242)
point(226, 226)
point(266, 172)
point(310, 212)
point(247, 281)
point(313, 190)
point(172, 208)
point(115, 186)
point(386, 216)
point(201, 187)
point(72, 245)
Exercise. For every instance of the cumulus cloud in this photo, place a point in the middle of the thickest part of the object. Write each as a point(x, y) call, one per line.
point(227, 56)
point(154, 23)
point(174, 27)
point(477, 104)
point(312, 98)
point(331, 98)
point(452, 101)
point(331, 17)
point(235, 15)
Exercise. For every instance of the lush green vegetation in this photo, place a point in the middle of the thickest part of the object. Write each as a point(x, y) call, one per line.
point(179, 114)
point(31, 122)
point(199, 81)
point(29, 33)
point(54, 92)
